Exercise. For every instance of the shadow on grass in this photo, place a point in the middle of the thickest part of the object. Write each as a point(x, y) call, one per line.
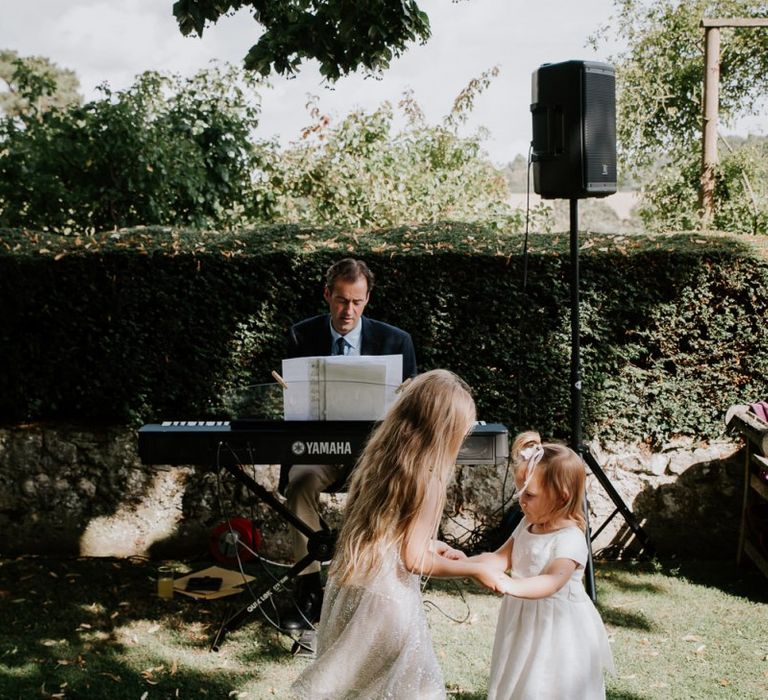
point(624, 580)
point(622, 695)
point(742, 582)
point(94, 628)
point(622, 618)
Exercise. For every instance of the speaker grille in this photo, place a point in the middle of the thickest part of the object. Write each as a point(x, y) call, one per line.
point(599, 131)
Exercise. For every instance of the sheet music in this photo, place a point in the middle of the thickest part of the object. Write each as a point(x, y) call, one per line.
point(357, 387)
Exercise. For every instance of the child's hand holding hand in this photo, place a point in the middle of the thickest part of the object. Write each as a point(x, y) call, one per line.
point(492, 578)
point(443, 550)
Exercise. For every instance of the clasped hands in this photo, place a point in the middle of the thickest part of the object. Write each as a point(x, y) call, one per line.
point(483, 571)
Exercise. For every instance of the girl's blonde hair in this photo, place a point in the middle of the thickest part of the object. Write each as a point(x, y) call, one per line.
point(414, 449)
point(561, 473)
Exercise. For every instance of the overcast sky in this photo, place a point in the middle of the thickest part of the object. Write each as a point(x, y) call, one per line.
point(113, 41)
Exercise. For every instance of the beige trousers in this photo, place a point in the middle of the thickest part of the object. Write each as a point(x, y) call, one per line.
point(305, 484)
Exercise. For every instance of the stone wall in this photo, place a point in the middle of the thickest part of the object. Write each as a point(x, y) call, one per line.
point(77, 491)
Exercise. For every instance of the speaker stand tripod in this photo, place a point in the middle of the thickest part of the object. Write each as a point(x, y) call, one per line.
point(576, 405)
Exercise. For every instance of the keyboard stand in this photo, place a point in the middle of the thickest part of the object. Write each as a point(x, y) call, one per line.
point(320, 547)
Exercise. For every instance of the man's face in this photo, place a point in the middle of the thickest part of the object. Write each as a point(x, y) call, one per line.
point(346, 301)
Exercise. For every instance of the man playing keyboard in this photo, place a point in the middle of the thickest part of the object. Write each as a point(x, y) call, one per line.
point(342, 331)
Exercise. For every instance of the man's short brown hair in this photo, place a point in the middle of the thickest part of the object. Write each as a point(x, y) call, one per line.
point(349, 270)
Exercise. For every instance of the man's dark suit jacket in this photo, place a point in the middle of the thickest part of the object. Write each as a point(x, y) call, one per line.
point(312, 337)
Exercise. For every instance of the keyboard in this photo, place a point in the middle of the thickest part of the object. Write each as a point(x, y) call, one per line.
point(246, 441)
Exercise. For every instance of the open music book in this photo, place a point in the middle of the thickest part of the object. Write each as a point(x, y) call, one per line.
point(339, 387)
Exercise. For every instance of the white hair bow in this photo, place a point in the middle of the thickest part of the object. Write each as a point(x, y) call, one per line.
point(532, 455)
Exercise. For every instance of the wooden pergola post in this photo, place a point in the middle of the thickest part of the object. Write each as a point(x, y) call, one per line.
point(710, 105)
point(709, 126)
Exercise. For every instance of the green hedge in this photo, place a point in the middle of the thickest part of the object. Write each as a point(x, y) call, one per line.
point(148, 324)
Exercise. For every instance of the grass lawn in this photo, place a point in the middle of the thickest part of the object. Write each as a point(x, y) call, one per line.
point(94, 628)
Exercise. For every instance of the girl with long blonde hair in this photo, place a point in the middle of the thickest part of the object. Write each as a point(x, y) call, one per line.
point(373, 640)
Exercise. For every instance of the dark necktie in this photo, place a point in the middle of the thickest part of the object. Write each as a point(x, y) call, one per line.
point(340, 345)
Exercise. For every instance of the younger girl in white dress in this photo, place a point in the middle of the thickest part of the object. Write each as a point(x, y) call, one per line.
point(550, 641)
point(373, 640)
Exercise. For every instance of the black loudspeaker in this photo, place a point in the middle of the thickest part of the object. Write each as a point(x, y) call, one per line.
point(574, 130)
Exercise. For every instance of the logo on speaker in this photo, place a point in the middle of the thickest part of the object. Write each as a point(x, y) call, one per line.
point(605, 168)
point(298, 448)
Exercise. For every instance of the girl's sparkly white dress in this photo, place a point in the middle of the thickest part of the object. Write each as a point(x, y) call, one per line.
point(373, 642)
point(551, 648)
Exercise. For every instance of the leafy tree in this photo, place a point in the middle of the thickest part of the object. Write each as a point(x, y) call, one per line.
point(660, 83)
point(165, 151)
point(184, 152)
point(342, 35)
point(741, 191)
point(363, 173)
point(35, 84)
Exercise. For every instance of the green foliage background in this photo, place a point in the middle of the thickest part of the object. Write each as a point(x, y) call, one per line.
point(659, 110)
point(164, 151)
point(185, 152)
point(342, 36)
point(154, 324)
